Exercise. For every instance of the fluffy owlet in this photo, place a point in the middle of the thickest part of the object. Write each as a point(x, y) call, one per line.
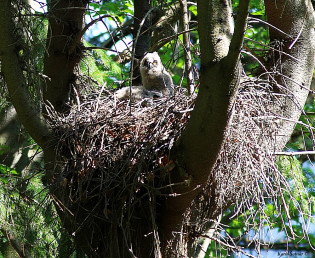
point(154, 75)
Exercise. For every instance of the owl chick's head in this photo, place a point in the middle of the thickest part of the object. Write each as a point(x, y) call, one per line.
point(151, 63)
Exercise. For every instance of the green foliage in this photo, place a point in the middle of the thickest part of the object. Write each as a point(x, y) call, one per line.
point(26, 210)
point(117, 12)
point(257, 7)
point(98, 65)
point(22, 213)
point(38, 31)
point(117, 9)
point(215, 251)
point(302, 185)
point(300, 200)
point(34, 44)
point(256, 38)
point(5, 171)
point(193, 9)
point(4, 149)
point(27, 213)
point(302, 137)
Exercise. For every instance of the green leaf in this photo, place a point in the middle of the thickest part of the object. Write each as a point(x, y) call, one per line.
point(193, 9)
point(7, 170)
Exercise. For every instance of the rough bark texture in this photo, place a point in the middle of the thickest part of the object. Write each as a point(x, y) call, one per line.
point(65, 24)
point(197, 150)
point(215, 27)
point(296, 19)
point(10, 45)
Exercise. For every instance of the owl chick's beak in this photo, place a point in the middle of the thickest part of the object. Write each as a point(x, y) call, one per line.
point(150, 65)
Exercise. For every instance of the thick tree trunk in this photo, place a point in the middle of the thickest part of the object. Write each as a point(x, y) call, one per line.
point(63, 51)
point(10, 46)
point(199, 146)
point(294, 63)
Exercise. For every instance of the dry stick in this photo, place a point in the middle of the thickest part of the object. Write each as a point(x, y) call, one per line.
point(245, 100)
point(270, 25)
point(272, 48)
point(208, 238)
point(186, 45)
point(294, 153)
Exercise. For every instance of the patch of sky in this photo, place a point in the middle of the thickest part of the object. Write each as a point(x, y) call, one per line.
point(104, 28)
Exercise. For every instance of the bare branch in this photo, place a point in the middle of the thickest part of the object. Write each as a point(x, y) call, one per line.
point(294, 153)
point(186, 45)
point(79, 36)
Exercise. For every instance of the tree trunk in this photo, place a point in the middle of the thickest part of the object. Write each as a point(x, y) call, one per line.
point(10, 45)
point(63, 52)
point(141, 35)
point(199, 146)
point(295, 59)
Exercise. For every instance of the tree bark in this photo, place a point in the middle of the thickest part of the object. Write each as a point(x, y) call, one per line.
point(141, 35)
point(63, 51)
point(294, 70)
point(196, 151)
point(10, 45)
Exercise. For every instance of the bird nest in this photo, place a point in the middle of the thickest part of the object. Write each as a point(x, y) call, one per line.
point(113, 154)
point(120, 140)
point(245, 178)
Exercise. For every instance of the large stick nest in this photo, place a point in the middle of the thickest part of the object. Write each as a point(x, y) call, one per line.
point(120, 140)
point(114, 154)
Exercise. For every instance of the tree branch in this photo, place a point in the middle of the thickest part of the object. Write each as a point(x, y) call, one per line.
point(119, 33)
point(294, 153)
point(216, 25)
point(238, 35)
point(11, 66)
point(195, 153)
point(16, 244)
point(186, 45)
point(295, 35)
point(78, 37)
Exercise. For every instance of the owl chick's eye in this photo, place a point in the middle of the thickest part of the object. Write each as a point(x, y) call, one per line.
point(155, 62)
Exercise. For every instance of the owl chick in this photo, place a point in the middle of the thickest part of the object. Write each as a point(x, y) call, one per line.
point(154, 75)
